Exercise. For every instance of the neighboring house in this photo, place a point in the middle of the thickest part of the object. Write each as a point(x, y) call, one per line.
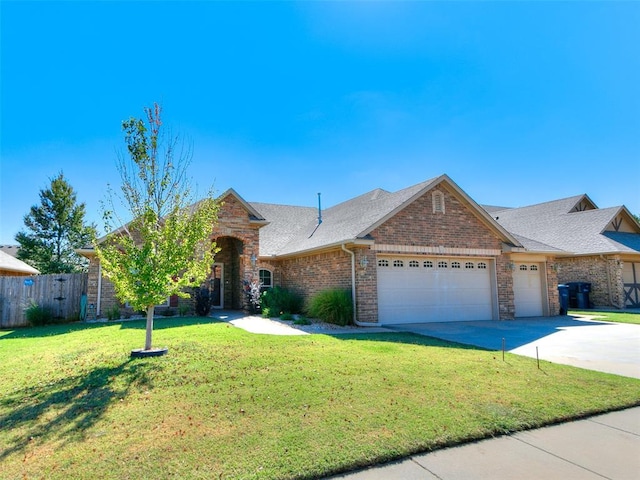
point(598, 246)
point(10, 249)
point(12, 267)
point(425, 253)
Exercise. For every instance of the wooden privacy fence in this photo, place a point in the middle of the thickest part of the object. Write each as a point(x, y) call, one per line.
point(61, 294)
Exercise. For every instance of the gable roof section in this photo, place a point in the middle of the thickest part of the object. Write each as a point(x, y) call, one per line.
point(554, 207)
point(412, 193)
point(295, 230)
point(254, 215)
point(11, 264)
point(574, 225)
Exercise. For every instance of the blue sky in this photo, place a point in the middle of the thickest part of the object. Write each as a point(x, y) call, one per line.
point(518, 102)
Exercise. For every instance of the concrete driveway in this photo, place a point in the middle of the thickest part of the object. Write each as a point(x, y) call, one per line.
point(581, 342)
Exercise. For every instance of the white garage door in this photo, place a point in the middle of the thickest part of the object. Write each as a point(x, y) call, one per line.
point(527, 289)
point(417, 290)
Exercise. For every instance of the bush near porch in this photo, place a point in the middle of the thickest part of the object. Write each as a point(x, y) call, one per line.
point(229, 404)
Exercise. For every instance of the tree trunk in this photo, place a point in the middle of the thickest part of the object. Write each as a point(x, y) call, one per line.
point(147, 343)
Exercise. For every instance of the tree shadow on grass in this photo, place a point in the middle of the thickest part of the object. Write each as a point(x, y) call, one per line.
point(160, 323)
point(66, 408)
point(406, 338)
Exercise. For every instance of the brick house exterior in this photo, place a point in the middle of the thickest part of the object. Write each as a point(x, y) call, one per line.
point(431, 224)
point(600, 246)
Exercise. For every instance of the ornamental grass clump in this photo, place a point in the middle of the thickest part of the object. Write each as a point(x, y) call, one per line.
point(37, 315)
point(332, 306)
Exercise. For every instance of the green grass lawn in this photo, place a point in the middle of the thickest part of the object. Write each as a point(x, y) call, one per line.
point(607, 316)
point(229, 404)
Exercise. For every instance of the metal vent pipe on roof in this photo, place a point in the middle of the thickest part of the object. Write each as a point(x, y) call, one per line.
point(319, 210)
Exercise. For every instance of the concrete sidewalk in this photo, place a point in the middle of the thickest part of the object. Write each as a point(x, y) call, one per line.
point(603, 446)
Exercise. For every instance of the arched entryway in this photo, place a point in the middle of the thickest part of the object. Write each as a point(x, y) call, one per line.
point(231, 265)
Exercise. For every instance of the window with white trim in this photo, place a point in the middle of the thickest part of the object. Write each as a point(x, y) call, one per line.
point(427, 264)
point(482, 266)
point(523, 267)
point(533, 268)
point(414, 263)
point(469, 265)
point(383, 262)
point(455, 264)
point(398, 263)
point(442, 264)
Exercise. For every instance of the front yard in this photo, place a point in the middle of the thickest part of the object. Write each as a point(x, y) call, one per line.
point(229, 404)
point(609, 316)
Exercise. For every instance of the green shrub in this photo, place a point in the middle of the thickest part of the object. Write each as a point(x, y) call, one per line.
point(266, 312)
point(169, 312)
point(286, 317)
point(301, 320)
point(38, 315)
point(203, 301)
point(332, 306)
point(280, 300)
point(113, 313)
point(183, 310)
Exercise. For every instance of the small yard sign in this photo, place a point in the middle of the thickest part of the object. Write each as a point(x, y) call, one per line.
point(28, 282)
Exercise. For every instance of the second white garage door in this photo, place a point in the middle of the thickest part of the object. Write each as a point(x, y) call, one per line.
point(417, 290)
point(528, 289)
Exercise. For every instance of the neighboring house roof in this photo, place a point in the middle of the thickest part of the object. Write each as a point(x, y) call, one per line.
point(10, 249)
point(11, 264)
point(574, 225)
point(294, 230)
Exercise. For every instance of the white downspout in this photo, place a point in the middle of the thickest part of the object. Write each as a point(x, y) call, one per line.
point(353, 291)
point(353, 282)
point(99, 299)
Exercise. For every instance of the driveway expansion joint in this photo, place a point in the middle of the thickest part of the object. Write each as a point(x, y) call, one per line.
point(548, 452)
point(413, 460)
point(628, 432)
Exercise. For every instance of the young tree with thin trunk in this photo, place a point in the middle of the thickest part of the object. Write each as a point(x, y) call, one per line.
point(55, 228)
point(167, 245)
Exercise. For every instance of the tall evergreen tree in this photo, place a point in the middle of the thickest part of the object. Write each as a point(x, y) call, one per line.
point(54, 229)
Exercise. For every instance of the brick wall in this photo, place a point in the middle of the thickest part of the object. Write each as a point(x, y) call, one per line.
point(604, 274)
point(312, 273)
point(234, 231)
point(418, 225)
point(506, 298)
point(553, 295)
point(457, 227)
point(366, 286)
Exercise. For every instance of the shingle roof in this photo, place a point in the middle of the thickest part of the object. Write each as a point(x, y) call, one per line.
point(579, 233)
point(295, 229)
point(535, 246)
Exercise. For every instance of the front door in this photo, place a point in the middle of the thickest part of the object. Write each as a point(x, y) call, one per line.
point(217, 285)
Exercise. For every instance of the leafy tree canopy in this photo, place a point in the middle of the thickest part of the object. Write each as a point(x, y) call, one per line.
point(54, 229)
point(167, 246)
